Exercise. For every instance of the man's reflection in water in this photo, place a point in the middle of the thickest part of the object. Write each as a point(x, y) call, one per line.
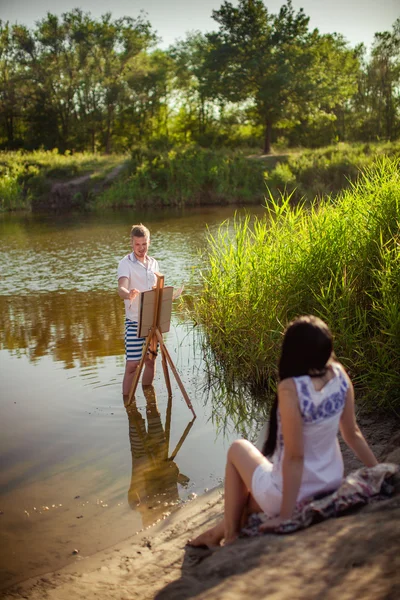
point(154, 481)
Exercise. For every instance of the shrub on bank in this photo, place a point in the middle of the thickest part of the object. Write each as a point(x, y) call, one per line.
point(339, 260)
point(317, 173)
point(194, 175)
point(26, 175)
point(187, 176)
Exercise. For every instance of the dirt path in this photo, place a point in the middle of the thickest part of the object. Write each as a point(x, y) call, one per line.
point(75, 193)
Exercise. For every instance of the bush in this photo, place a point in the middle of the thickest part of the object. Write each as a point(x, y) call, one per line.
point(188, 175)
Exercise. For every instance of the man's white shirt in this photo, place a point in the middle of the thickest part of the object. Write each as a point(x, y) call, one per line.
point(140, 276)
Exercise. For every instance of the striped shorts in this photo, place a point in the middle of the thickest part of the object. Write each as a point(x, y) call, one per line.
point(133, 344)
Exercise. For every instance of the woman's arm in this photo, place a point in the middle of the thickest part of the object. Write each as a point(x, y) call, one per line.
point(351, 432)
point(293, 460)
point(292, 431)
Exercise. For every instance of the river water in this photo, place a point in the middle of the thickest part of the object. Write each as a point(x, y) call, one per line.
point(77, 471)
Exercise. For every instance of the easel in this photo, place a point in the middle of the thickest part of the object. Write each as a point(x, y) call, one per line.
point(153, 338)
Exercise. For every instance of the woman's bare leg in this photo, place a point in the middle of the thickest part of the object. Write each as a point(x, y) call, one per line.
point(242, 460)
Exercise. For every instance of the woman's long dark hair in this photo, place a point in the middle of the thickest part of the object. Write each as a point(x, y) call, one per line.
point(306, 349)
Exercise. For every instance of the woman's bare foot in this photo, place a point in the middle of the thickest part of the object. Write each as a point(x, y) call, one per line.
point(230, 539)
point(208, 539)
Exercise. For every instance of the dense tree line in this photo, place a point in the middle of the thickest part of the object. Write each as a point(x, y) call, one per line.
point(77, 83)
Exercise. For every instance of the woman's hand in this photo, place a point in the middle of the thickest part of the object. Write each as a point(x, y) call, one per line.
point(271, 524)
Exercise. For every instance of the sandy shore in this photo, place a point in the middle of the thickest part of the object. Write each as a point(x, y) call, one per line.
point(355, 556)
point(137, 567)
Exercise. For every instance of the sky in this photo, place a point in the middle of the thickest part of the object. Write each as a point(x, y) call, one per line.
point(357, 20)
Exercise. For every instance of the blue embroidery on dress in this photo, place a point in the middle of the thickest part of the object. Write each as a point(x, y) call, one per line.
point(329, 407)
point(304, 389)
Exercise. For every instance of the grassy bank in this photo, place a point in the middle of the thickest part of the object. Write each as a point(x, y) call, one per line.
point(187, 176)
point(310, 174)
point(339, 260)
point(192, 175)
point(24, 176)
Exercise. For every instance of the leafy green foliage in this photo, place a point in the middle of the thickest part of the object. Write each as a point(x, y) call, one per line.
point(83, 84)
point(24, 176)
point(189, 175)
point(274, 62)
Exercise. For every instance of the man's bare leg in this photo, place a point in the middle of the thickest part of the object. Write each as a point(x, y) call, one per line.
point(149, 370)
point(130, 369)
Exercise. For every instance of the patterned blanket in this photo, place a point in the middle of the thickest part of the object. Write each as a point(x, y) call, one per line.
point(358, 488)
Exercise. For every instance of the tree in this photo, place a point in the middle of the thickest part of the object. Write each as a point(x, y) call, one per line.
point(148, 84)
point(8, 85)
point(384, 79)
point(197, 83)
point(118, 45)
point(275, 63)
point(76, 68)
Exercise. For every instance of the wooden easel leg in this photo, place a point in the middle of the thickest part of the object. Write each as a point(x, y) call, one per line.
point(139, 369)
point(175, 372)
point(166, 373)
point(168, 425)
point(183, 437)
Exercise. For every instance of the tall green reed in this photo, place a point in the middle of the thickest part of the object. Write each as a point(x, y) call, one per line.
point(336, 259)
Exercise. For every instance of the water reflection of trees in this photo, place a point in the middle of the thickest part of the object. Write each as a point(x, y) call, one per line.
point(72, 327)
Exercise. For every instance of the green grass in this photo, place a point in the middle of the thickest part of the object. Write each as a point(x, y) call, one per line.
point(339, 260)
point(193, 175)
point(310, 174)
point(24, 175)
point(189, 175)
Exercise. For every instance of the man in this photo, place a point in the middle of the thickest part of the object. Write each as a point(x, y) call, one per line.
point(136, 273)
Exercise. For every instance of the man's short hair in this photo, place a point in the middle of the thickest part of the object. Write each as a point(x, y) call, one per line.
point(140, 231)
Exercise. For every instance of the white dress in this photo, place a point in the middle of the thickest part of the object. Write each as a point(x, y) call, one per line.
point(323, 463)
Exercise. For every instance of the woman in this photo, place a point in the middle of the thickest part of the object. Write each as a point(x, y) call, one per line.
point(315, 398)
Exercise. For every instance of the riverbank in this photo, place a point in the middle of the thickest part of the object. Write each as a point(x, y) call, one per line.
point(356, 556)
point(185, 175)
point(48, 180)
point(192, 175)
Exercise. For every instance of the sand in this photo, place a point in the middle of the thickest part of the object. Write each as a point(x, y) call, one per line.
point(354, 556)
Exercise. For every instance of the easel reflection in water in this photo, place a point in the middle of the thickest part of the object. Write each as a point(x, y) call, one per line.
point(155, 475)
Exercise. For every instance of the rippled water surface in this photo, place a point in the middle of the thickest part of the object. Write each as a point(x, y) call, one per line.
point(77, 470)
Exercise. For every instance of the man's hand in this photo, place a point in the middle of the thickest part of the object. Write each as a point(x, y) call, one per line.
point(132, 295)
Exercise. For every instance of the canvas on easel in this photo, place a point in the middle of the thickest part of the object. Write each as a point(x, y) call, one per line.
point(146, 310)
